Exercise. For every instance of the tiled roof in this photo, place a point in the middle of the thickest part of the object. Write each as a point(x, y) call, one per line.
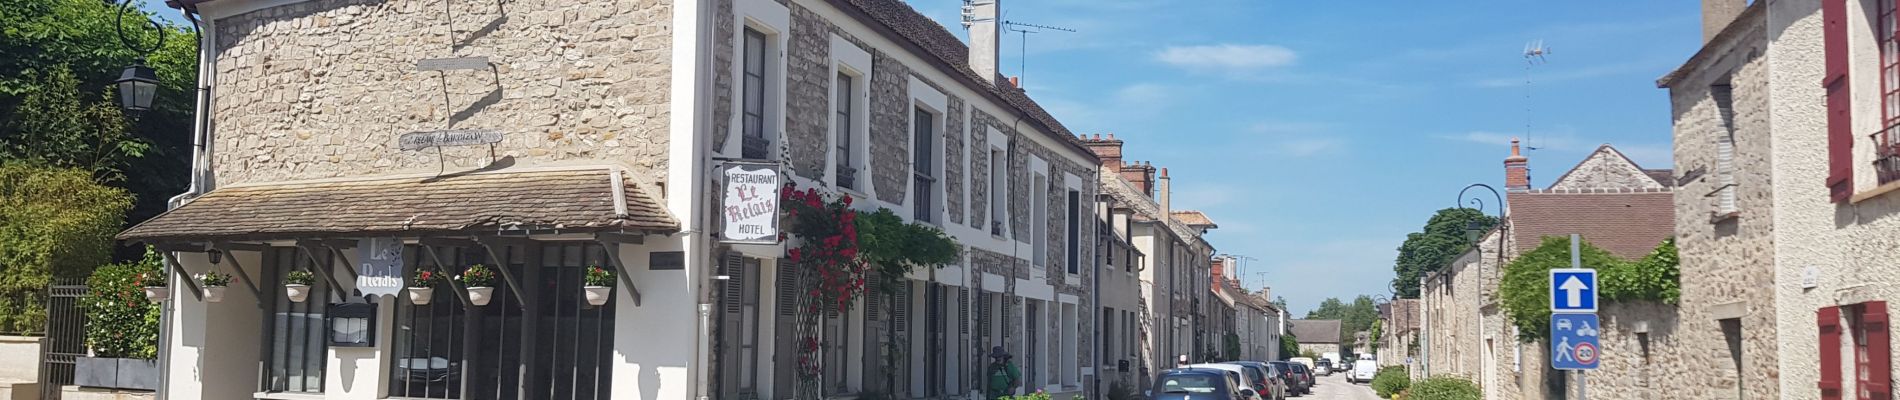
point(1666, 177)
point(951, 52)
point(1315, 330)
point(1194, 218)
point(1144, 208)
point(1627, 224)
point(567, 201)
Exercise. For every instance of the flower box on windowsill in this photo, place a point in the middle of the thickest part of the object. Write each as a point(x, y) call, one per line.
point(115, 373)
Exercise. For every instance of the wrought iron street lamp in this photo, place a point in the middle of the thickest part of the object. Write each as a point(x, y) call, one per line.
point(138, 84)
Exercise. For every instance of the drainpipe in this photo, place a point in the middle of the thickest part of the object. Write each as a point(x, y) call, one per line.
point(200, 128)
point(1095, 294)
point(702, 348)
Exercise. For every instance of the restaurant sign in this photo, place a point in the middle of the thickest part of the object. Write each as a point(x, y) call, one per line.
point(379, 267)
point(750, 209)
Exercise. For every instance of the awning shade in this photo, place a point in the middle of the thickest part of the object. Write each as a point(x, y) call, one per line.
point(568, 201)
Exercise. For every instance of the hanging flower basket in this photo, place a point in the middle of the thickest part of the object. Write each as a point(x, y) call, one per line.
point(153, 283)
point(479, 280)
point(214, 283)
point(422, 289)
point(600, 285)
point(297, 285)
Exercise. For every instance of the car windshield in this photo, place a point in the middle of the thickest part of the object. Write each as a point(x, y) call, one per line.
point(1189, 383)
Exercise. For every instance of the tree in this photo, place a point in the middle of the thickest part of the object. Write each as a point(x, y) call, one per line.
point(1440, 241)
point(1353, 318)
point(57, 129)
point(1280, 302)
point(1523, 291)
point(43, 39)
point(53, 223)
point(1376, 332)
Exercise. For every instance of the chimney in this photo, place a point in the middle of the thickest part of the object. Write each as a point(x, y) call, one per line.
point(1141, 175)
point(980, 17)
point(1517, 172)
point(1016, 82)
point(1109, 150)
point(1717, 14)
point(1162, 195)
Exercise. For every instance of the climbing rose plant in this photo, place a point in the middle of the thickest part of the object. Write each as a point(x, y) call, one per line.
point(829, 269)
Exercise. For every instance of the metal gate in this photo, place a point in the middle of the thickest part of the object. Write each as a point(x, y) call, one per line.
point(65, 337)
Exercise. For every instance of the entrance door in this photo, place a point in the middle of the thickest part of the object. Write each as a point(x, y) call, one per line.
point(739, 327)
point(785, 318)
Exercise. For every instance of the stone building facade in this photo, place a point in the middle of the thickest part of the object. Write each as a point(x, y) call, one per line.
point(634, 105)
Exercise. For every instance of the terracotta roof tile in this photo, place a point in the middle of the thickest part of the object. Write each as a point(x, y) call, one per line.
point(578, 200)
point(1628, 224)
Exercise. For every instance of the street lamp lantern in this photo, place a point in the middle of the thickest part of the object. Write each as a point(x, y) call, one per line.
point(138, 84)
point(1473, 230)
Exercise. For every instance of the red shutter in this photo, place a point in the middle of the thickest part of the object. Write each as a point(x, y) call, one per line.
point(1876, 382)
point(1829, 318)
point(1840, 132)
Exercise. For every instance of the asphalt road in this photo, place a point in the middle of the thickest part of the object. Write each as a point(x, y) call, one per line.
point(1335, 387)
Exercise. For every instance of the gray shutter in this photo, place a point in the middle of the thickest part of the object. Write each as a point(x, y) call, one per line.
point(901, 313)
point(734, 295)
point(787, 293)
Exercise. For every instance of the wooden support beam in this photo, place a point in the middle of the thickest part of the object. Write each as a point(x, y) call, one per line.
point(460, 292)
point(620, 269)
point(501, 264)
point(446, 242)
point(344, 261)
point(186, 247)
point(180, 275)
point(328, 275)
point(617, 237)
point(257, 293)
point(236, 246)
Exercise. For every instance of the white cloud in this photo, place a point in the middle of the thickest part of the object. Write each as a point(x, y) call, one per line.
point(1144, 95)
point(1227, 57)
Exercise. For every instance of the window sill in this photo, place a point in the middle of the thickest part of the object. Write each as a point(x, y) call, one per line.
point(1716, 217)
point(287, 396)
point(1877, 191)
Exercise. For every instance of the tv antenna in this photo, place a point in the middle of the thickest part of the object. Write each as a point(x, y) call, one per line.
point(1534, 52)
point(1024, 28)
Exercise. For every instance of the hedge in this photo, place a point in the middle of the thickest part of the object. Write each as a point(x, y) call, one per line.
point(120, 322)
point(54, 223)
point(1391, 380)
point(1444, 388)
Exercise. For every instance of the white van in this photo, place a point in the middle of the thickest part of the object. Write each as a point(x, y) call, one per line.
point(1363, 371)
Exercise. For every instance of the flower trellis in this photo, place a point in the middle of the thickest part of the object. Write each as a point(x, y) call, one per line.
point(830, 271)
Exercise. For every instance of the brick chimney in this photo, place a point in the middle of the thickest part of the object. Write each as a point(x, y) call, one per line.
point(1109, 150)
point(981, 19)
point(1517, 171)
point(1717, 14)
point(1219, 271)
point(1141, 175)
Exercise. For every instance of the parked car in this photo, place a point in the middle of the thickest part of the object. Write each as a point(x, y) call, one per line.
point(1268, 382)
point(1323, 366)
point(1239, 372)
point(1288, 379)
point(1198, 384)
point(1363, 371)
point(1306, 377)
point(1307, 361)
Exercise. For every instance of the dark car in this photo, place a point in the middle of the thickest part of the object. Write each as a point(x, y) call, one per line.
point(1324, 366)
point(1306, 377)
point(1197, 384)
point(1288, 377)
point(1265, 380)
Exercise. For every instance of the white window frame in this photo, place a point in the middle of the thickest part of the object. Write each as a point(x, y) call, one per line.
point(849, 59)
point(1073, 183)
point(923, 96)
point(999, 183)
point(775, 21)
point(1039, 183)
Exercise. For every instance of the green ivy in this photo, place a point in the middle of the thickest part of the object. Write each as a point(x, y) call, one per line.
point(1525, 289)
point(895, 247)
point(54, 222)
point(120, 322)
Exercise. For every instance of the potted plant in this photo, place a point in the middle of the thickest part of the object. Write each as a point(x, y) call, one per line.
point(153, 283)
point(297, 285)
point(600, 285)
point(121, 327)
point(422, 289)
point(480, 282)
point(214, 284)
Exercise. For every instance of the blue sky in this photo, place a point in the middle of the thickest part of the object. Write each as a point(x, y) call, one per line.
point(1319, 133)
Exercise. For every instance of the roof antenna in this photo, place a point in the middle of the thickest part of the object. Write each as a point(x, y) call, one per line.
point(1022, 61)
point(1534, 52)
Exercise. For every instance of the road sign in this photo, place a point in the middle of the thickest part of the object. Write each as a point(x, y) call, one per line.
point(1573, 290)
point(1573, 341)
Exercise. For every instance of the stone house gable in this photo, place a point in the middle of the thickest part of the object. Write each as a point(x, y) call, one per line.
point(1607, 169)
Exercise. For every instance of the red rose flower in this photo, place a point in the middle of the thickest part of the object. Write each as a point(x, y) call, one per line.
point(847, 200)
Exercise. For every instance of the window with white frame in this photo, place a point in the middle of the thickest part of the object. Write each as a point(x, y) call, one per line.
point(753, 142)
point(841, 122)
point(924, 165)
point(1071, 335)
point(999, 189)
point(1039, 218)
point(1072, 241)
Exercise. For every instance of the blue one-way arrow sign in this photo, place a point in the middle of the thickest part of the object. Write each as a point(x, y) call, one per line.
point(1573, 291)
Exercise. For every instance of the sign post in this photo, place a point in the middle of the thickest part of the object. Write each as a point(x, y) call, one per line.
point(1574, 327)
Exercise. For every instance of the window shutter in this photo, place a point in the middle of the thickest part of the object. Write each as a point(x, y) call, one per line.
point(734, 295)
point(1840, 132)
point(787, 288)
point(873, 306)
point(1877, 381)
point(901, 313)
point(1829, 319)
point(963, 310)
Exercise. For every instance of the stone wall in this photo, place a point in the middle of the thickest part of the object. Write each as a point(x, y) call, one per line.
point(1727, 261)
point(1606, 169)
point(323, 88)
point(808, 101)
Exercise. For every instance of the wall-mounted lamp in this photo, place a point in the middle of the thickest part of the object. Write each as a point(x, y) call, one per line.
point(352, 324)
point(215, 255)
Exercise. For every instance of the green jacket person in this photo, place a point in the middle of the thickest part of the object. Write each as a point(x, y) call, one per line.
point(1003, 374)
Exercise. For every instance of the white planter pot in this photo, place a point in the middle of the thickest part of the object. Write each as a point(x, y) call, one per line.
point(297, 293)
point(421, 295)
point(157, 293)
point(598, 295)
point(214, 294)
point(481, 295)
